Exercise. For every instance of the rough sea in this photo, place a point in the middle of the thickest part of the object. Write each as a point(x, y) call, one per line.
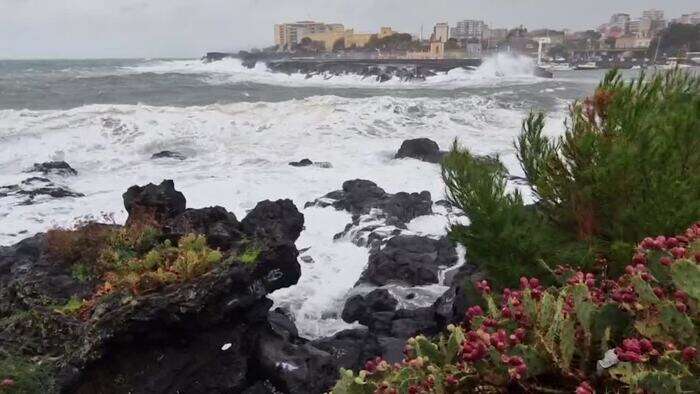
point(239, 128)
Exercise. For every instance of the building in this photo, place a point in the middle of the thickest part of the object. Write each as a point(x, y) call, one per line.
point(473, 49)
point(555, 37)
point(653, 14)
point(441, 32)
point(688, 19)
point(632, 42)
point(385, 31)
point(468, 29)
point(289, 34)
point(619, 21)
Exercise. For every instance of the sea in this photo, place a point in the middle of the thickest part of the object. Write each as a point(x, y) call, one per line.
point(239, 128)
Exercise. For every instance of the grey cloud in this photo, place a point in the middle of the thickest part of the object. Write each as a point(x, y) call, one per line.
point(187, 28)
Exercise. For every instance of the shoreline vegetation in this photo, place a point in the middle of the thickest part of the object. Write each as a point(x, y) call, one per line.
point(593, 288)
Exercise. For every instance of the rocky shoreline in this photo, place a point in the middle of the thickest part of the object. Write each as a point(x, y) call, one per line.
point(381, 70)
point(217, 332)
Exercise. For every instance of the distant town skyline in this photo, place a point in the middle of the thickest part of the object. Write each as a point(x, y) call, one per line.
point(182, 28)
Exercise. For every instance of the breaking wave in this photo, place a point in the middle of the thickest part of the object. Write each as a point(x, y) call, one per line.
point(496, 70)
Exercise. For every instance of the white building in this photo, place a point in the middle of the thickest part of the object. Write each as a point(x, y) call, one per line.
point(469, 29)
point(441, 32)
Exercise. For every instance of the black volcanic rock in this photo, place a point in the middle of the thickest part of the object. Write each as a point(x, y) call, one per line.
point(213, 333)
point(360, 308)
point(410, 259)
point(220, 226)
point(423, 149)
point(277, 221)
point(301, 163)
point(360, 196)
point(54, 167)
point(167, 154)
point(153, 202)
point(32, 189)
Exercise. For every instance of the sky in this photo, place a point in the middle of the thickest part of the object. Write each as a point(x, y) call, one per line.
point(189, 28)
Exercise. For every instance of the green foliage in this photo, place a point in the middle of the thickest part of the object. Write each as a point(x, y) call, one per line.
point(505, 237)
point(626, 166)
point(394, 42)
point(81, 272)
point(250, 256)
point(72, 307)
point(22, 376)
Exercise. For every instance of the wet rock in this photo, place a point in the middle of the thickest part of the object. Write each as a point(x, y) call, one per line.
point(213, 333)
point(359, 308)
point(153, 202)
point(423, 149)
point(301, 163)
point(450, 306)
point(168, 154)
point(323, 164)
point(293, 368)
point(54, 167)
point(221, 227)
point(412, 260)
point(360, 196)
point(277, 221)
point(33, 189)
point(350, 349)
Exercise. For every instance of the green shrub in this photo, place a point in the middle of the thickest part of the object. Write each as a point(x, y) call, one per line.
point(73, 306)
point(19, 375)
point(250, 256)
point(627, 165)
point(638, 333)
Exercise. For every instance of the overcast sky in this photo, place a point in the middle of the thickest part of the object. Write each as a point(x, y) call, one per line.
point(188, 28)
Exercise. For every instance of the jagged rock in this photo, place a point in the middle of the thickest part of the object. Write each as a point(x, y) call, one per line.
point(213, 333)
point(301, 163)
point(295, 369)
point(221, 227)
point(279, 221)
point(359, 308)
point(167, 154)
point(423, 149)
point(54, 167)
point(350, 348)
point(32, 188)
point(413, 260)
point(282, 324)
point(153, 202)
point(360, 196)
point(450, 306)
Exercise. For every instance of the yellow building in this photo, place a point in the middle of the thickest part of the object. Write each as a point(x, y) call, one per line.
point(335, 32)
point(358, 40)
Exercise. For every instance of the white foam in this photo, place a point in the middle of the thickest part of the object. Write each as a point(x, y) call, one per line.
point(497, 70)
point(238, 155)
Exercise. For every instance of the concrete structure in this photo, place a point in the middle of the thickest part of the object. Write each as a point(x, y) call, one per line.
point(555, 37)
point(632, 42)
point(441, 32)
point(619, 21)
point(469, 29)
point(688, 19)
point(493, 37)
point(386, 31)
point(653, 14)
point(289, 34)
point(357, 40)
point(473, 49)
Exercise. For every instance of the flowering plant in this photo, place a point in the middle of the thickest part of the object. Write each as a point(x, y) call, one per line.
point(637, 332)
